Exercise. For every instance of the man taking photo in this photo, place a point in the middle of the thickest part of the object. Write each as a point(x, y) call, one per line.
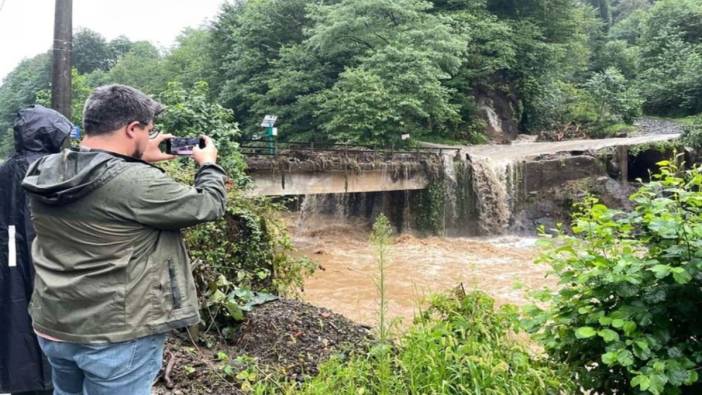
point(112, 272)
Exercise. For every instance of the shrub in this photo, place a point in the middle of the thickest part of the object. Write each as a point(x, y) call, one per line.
point(190, 113)
point(692, 133)
point(460, 345)
point(615, 100)
point(627, 315)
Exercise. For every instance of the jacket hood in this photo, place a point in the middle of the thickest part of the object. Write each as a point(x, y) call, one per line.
point(40, 130)
point(71, 174)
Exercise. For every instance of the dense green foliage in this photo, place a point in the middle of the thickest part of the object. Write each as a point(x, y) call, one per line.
point(367, 71)
point(670, 64)
point(460, 345)
point(613, 99)
point(626, 316)
point(189, 114)
point(92, 52)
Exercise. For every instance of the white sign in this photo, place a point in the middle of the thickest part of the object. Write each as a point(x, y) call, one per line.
point(274, 131)
point(405, 136)
point(269, 121)
point(11, 247)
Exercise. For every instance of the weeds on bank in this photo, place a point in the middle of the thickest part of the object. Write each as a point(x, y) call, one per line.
point(460, 345)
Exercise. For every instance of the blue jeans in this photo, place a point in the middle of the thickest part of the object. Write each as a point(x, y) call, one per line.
point(125, 368)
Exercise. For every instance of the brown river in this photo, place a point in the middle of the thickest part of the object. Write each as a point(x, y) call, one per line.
point(346, 281)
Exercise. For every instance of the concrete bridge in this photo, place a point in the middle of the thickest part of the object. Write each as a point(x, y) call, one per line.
point(339, 169)
point(301, 169)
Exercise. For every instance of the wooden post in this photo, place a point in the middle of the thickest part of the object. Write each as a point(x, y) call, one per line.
point(61, 73)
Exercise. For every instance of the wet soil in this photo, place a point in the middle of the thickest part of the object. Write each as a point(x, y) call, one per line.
point(284, 338)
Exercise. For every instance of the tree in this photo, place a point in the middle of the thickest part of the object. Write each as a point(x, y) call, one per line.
point(118, 47)
point(671, 57)
point(90, 52)
point(185, 63)
point(403, 52)
point(614, 98)
point(618, 54)
point(141, 67)
point(292, 85)
point(360, 109)
point(604, 9)
point(247, 39)
point(624, 8)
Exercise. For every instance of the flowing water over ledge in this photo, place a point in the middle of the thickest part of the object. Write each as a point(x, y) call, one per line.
point(479, 190)
point(346, 281)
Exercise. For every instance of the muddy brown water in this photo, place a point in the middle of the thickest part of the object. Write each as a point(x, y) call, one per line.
point(346, 281)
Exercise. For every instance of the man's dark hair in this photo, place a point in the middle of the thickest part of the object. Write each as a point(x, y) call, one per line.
point(111, 107)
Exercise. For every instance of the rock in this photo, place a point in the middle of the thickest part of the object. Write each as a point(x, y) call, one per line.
point(543, 174)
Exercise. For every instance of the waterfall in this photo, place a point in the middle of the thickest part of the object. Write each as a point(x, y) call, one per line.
point(477, 195)
point(490, 188)
point(451, 186)
point(481, 194)
point(320, 211)
point(493, 119)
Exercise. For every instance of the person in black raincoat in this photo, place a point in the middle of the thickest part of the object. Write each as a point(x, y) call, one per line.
point(23, 368)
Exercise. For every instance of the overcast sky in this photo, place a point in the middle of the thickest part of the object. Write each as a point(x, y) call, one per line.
point(26, 26)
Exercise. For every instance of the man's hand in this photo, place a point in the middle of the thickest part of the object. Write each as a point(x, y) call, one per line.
point(153, 153)
point(207, 154)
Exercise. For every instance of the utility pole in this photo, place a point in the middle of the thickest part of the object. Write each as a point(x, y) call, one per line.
point(61, 73)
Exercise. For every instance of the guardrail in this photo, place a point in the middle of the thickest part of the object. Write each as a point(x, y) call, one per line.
point(269, 148)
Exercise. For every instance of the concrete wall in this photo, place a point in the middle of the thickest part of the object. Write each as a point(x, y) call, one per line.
point(310, 183)
point(547, 173)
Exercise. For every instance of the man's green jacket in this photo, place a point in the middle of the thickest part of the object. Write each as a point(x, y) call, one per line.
point(110, 260)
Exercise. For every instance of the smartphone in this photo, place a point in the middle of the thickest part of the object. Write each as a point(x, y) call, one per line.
point(183, 145)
